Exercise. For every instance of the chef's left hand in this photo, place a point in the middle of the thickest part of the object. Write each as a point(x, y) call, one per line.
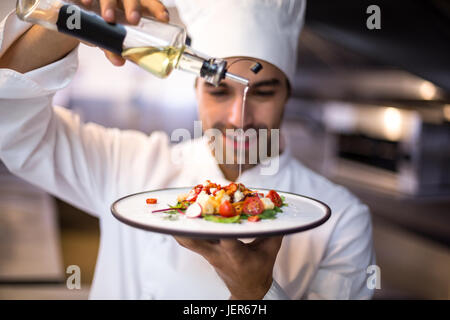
point(246, 269)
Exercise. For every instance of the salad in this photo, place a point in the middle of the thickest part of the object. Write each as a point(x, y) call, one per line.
point(226, 204)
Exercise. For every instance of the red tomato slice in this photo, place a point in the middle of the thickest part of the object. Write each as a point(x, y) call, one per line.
point(192, 195)
point(226, 209)
point(253, 206)
point(275, 197)
point(231, 188)
point(151, 201)
point(254, 218)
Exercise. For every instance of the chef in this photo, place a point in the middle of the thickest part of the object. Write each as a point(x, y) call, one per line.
point(90, 166)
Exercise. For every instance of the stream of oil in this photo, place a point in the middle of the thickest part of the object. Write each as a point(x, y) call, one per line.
point(241, 151)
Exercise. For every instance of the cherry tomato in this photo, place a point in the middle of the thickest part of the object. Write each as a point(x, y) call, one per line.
point(253, 206)
point(226, 209)
point(151, 201)
point(254, 218)
point(231, 188)
point(275, 197)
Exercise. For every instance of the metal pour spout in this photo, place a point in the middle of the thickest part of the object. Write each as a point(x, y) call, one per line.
point(231, 76)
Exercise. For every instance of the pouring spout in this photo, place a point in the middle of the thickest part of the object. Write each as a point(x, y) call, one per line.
point(231, 76)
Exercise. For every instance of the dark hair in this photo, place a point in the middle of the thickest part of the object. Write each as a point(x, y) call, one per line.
point(288, 88)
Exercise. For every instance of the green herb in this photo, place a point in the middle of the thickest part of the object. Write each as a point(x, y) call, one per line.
point(268, 214)
point(171, 217)
point(283, 200)
point(171, 212)
point(213, 218)
point(179, 205)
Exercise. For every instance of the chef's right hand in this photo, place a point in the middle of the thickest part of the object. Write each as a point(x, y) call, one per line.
point(134, 10)
point(40, 46)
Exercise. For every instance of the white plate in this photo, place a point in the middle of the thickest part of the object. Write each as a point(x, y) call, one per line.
point(302, 213)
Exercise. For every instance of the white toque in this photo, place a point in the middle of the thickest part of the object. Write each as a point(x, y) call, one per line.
point(262, 29)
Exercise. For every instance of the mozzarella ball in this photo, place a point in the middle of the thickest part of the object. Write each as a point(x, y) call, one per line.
point(268, 204)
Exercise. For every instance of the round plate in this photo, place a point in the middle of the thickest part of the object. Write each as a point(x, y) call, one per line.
point(302, 213)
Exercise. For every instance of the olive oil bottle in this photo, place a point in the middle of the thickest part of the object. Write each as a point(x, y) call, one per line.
point(157, 47)
point(158, 60)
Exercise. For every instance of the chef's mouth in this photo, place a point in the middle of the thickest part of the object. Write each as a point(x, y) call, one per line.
point(237, 140)
point(233, 136)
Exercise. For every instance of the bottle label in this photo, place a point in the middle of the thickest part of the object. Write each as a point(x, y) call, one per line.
point(91, 28)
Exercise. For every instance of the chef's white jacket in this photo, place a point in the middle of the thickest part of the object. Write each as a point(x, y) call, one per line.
point(90, 166)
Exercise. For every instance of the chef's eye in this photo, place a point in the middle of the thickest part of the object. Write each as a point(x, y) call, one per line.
point(220, 93)
point(264, 93)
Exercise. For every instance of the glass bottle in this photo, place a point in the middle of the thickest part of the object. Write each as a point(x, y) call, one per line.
point(157, 47)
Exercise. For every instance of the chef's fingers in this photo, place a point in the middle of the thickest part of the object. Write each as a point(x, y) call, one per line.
point(231, 244)
point(132, 11)
point(269, 245)
point(236, 251)
point(87, 43)
point(107, 8)
point(203, 247)
point(155, 9)
point(114, 58)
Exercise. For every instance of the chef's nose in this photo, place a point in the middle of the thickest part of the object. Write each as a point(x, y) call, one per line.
point(237, 113)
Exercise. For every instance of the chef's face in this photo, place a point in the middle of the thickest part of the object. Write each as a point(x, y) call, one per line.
point(221, 107)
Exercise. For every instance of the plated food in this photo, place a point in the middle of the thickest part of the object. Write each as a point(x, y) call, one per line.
point(296, 214)
point(232, 203)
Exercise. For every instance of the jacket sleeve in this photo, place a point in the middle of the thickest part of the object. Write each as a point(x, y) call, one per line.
point(276, 292)
point(342, 273)
point(86, 165)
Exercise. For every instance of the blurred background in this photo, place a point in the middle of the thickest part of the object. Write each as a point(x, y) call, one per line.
point(370, 110)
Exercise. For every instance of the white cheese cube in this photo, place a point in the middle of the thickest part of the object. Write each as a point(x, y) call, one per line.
point(225, 197)
point(268, 204)
point(204, 200)
point(238, 196)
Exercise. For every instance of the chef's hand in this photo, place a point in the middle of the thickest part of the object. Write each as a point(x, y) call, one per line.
point(134, 9)
point(246, 269)
point(40, 46)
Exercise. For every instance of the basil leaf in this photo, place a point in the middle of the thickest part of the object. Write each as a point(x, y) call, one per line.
point(213, 218)
point(179, 205)
point(268, 214)
point(277, 209)
point(283, 200)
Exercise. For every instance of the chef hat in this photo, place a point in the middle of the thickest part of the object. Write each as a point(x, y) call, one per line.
point(262, 29)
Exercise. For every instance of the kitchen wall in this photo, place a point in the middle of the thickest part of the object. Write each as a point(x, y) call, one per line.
point(410, 234)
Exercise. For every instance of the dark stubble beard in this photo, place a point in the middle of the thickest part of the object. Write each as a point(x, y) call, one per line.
point(221, 126)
